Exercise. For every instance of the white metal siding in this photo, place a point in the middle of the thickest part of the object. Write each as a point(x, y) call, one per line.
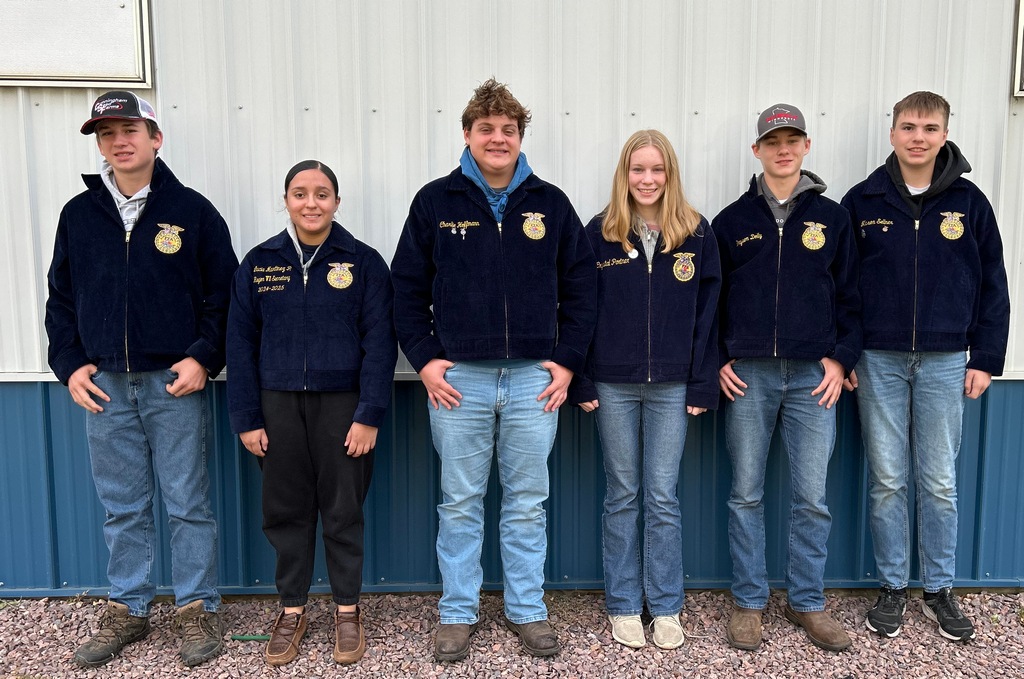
point(246, 88)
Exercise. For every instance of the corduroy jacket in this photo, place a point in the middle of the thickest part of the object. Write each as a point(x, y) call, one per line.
point(656, 320)
point(469, 288)
point(331, 331)
point(139, 300)
point(936, 283)
point(790, 291)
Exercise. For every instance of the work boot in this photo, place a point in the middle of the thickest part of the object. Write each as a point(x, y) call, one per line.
point(452, 641)
point(745, 628)
point(537, 637)
point(821, 629)
point(117, 629)
point(202, 633)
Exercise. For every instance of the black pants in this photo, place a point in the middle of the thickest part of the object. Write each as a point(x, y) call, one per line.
point(306, 471)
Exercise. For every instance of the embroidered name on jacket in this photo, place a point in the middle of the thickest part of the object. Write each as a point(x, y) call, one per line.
point(457, 228)
point(884, 223)
point(612, 262)
point(746, 239)
point(271, 278)
point(167, 239)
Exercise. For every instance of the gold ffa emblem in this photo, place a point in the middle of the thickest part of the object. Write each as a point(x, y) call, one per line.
point(813, 238)
point(684, 268)
point(167, 239)
point(951, 227)
point(533, 227)
point(340, 275)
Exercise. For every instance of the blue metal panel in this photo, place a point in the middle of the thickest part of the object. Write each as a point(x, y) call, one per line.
point(51, 540)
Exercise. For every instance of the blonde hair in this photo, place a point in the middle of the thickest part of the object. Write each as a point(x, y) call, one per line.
point(677, 218)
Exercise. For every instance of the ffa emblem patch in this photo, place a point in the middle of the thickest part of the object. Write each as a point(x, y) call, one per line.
point(684, 268)
point(167, 239)
point(813, 238)
point(533, 227)
point(340, 276)
point(951, 227)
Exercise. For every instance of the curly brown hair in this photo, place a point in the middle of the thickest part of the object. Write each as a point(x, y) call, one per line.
point(493, 99)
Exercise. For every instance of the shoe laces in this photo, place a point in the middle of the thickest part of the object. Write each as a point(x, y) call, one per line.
point(196, 627)
point(946, 603)
point(891, 600)
point(112, 626)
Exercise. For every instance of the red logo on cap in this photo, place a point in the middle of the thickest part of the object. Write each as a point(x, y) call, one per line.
point(783, 116)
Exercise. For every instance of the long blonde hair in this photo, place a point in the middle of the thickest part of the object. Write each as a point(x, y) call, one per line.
point(678, 219)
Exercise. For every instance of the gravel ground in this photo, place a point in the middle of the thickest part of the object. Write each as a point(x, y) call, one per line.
point(38, 638)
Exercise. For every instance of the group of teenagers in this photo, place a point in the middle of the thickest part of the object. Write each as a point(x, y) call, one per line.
point(508, 308)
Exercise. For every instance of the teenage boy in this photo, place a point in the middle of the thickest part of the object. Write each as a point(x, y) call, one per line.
point(934, 290)
point(494, 307)
point(790, 333)
point(139, 287)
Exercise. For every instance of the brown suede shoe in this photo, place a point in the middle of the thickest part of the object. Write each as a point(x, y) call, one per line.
point(537, 637)
point(451, 643)
point(285, 636)
point(745, 628)
point(349, 640)
point(821, 629)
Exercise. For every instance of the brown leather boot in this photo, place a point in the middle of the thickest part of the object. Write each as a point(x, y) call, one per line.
point(821, 629)
point(537, 637)
point(451, 643)
point(285, 635)
point(745, 628)
point(349, 640)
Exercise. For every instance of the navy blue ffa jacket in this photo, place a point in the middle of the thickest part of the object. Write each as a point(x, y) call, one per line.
point(139, 300)
point(468, 288)
point(935, 282)
point(656, 320)
point(328, 331)
point(788, 291)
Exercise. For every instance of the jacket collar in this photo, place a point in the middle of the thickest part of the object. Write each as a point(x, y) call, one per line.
point(162, 177)
point(338, 239)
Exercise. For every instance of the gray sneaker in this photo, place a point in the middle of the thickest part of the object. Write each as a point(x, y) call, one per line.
point(117, 629)
point(202, 633)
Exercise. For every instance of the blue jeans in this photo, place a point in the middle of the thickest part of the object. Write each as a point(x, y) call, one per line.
point(779, 390)
point(499, 411)
point(144, 436)
point(911, 413)
point(643, 432)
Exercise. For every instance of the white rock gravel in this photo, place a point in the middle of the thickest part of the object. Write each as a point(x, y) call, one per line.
point(39, 637)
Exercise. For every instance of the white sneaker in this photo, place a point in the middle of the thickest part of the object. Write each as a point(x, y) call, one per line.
point(628, 630)
point(668, 633)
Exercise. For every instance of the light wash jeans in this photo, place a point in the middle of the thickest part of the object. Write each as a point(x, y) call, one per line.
point(146, 436)
point(499, 412)
point(643, 432)
point(779, 390)
point(911, 413)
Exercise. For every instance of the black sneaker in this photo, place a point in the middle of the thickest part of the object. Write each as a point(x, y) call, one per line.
point(117, 629)
point(942, 607)
point(886, 618)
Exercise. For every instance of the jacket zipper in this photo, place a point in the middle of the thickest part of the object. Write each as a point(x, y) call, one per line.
point(504, 292)
point(913, 336)
point(650, 276)
point(305, 340)
point(778, 278)
point(127, 239)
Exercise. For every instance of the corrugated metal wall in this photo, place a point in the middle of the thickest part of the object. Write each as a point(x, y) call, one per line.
point(245, 88)
point(51, 521)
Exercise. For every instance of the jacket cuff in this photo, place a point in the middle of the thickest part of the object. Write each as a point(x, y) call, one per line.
point(207, 356)
point(370, 415)
point(424, 352)
point(68, 363)
point(846, 358)
point(581, 390)
point(246, 420)
point(990, 363)
point(702, 399)
point(567, 358)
